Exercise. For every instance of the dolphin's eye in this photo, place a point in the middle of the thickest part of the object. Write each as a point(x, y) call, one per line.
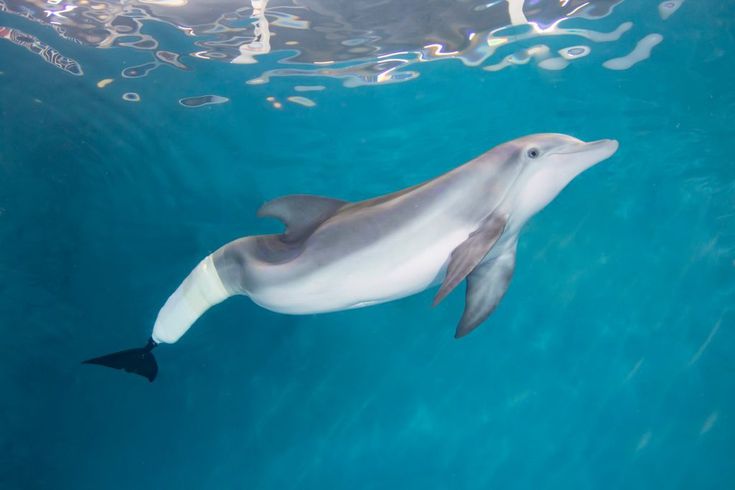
point(533, 153)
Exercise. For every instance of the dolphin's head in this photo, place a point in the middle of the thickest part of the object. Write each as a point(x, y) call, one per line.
point(550, 161)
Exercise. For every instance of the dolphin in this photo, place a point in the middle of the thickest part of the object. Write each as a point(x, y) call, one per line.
point(336, 255)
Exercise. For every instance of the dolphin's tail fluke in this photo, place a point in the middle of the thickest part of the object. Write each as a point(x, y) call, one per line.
point(138, 361)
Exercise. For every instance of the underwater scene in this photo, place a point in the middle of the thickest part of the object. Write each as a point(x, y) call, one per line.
point(367, 244)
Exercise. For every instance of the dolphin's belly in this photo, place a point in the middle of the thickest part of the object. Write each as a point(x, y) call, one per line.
point(393, 268)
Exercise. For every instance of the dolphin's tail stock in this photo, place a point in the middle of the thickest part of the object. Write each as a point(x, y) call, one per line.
point(138, 361)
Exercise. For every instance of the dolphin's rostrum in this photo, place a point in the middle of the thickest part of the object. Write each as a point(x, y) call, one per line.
point(337, 255)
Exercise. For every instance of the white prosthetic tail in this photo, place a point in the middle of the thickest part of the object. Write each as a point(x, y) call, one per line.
point(201, 290)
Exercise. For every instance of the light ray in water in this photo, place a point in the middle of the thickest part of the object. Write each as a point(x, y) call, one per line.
point(709, 423)
point(644, 441)
point(705, 344)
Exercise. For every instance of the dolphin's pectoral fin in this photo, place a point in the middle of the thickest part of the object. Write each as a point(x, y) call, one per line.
point(301, 213)
point(486, 286)
point(470, 253)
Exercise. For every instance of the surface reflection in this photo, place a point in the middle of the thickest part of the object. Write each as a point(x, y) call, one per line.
point(363, 42)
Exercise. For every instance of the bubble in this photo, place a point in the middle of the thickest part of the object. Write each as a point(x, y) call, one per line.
point(574, 52)
point(354, 42)
point(202, 100)
point(642, 51)
point(166, 3)
point(666, 9)
point(139, 71)
point(131, 97)
point(309, 88)
point(497, 66)
point(553, 64)
point(122, 29)
point(145, 43)
point(598, 37)
point(172, 59)
point(304, 101)
point(519, 57)
point(538, 52)
point(485, 6)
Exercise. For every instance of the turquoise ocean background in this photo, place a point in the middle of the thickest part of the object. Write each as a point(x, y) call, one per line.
point(609, 364)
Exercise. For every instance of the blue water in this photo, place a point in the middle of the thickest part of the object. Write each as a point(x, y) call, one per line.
point(609, 364)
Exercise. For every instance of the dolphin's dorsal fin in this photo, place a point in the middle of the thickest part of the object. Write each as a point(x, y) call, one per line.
point(301, 213)
point(470, 253)
point(486, 286)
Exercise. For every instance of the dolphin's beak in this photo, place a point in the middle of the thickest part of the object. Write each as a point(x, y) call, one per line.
point(597, 151)
point(604, 149)
point(583, 155)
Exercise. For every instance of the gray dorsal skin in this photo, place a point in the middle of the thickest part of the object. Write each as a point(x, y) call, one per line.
point(336, 255)
point(360, 226)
